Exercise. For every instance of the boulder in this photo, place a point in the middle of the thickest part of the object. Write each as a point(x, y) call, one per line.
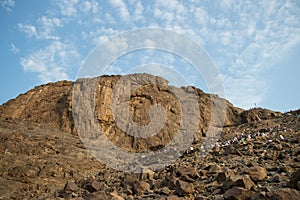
point(238, 193)
point(284, 194)
point(173, 197)
point(99, 195)
point(96, 186)
point(141, 187)
point(223, 176)
point(71, 187)
point(257, 173)
point(184, 188)
point(242, 181)
point(295, 180)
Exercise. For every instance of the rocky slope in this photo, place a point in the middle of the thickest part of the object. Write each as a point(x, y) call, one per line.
point(52, 104)
point(43, 157)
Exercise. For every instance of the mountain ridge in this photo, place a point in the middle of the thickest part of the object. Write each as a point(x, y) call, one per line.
point(55, 99)
point(42, 156)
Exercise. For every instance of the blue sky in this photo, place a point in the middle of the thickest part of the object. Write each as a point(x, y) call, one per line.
point(254, 44)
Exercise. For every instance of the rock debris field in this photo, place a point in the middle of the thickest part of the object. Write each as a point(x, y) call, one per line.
point(256, 155)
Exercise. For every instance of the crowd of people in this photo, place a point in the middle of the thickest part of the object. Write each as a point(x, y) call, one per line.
point(241, 138)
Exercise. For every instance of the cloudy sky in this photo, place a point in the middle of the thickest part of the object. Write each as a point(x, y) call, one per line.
point(255, 45)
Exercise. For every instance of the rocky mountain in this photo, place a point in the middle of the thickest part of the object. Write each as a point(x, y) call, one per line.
point(42, 155)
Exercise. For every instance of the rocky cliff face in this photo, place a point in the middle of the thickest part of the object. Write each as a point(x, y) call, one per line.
point(52, 104)
point(41, 155)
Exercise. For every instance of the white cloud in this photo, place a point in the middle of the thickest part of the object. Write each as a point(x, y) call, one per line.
point(44, 29)
point(50, 22)
point(79, 12)
point(48, 27)
point(244, 38)
point(52, 63)
point(251, 28)
point(109, 19)
point(28, 29)
point(244, 91)
point(14, 49)
point(201, 16)
point(101, 34)
point(227, 3)
point(170, 13)
point(138, 12)
point(87, 6)
point(122, 8)
point(7, 5)
point(67, 8)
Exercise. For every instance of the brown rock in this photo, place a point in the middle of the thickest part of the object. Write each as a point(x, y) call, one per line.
point(96, 186)
point(287, 169)
point(232, 150)
point(32, 151)
point(99, 195)
point(295, 180)
point(237, 193)
point(147, 174)
point(115, 195)
point(165, 191)
point(173, 197)
point(141, 187)
point(188, 171)
point(128, 191)
point(214, 168)
point(284, 194)
point(277, 178)
point(217, 191)
point(184, 188)
point(53, 103)
point(243, 181)
point(223, 176)
point(257, 173)
point(277, 147)
point(258, 114)
point(202, 197)
point(130, 179)
point(259, 196)
point(71, 187)
point(203, 173)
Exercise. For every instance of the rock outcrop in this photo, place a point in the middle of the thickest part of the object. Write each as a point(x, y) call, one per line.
point(42, 156)
point(52, 104)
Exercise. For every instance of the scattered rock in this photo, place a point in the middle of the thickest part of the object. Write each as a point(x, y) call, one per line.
point(71, 187)
point(257, 173)
point(232, 150)
point(141, 187)
point(258, 196)
point(243, 181)
point(284, 194)
point(238, 193)
point(214, 169)
point(173, 197)
point(96, 186)
point(184, 188)
point(116, 196)
point(165, 191)
point(226, 174)
point(185, 171)
point(39, 144)
point(147, 174)
point(99, 195)
point(295, 180)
